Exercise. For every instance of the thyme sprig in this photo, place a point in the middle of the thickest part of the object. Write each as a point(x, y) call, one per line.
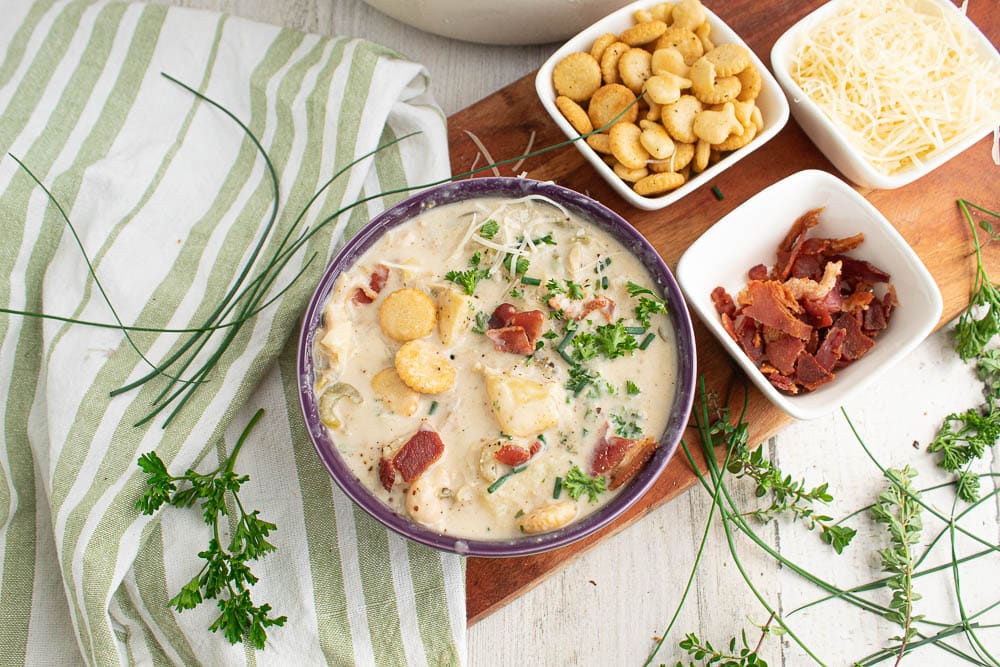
point(736, 656)
point(898, 510)
point(789, 496)
point(226, 576)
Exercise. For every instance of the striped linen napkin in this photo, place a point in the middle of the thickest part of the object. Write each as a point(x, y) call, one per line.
point(169, 196)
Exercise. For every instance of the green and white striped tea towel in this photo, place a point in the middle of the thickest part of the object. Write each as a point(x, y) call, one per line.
point(168, 196)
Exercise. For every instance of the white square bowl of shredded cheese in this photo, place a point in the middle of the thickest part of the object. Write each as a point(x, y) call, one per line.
point(889, 90)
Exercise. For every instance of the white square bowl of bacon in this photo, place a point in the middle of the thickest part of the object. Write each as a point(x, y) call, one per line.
point(811, 290)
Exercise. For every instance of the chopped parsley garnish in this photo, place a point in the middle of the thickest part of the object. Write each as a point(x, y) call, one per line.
point(580, 377)
point(489, 229)
point(573, 290)
point(636, 290)
point(631, 388)
point(520, 268)
point(482, 321)
point(648, 307)
point(626, 426)
point(516, 293)
point(554, 287)
point(576, 483)
point(550, 334)
point(547, 240)
point(608, 340)
point(470, 278)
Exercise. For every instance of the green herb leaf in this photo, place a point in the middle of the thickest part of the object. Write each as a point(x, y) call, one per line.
point(489, 229)
point(468, 279)
point(576, 483)
point(482, 321)
point(646, 308)
point(627, 426)
point(226, 576)
point(631, 388)
point(609, 340)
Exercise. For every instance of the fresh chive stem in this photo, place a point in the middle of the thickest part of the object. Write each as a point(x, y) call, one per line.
point(646, 341)
point(503, 478)
point(557, 490)
point(635, 331)
point(433, 408)
point(567, 339)
point(526, 280)
point(717, 192)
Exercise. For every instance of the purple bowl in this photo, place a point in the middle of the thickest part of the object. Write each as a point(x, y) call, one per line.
point(513, 188)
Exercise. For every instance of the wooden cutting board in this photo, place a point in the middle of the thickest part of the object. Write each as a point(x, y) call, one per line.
point(924, 212)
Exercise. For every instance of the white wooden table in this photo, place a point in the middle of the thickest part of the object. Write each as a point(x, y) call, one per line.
point(607, 606)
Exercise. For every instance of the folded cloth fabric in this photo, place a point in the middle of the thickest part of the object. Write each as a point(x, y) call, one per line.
point(169, 197)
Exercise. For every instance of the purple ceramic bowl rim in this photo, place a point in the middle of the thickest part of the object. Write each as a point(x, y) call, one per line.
point(456, 191)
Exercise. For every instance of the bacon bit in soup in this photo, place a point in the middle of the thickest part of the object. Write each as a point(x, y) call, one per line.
point(386, 473)
point(512, 455)
point(375, 284)
point(812, 314)
point(637, 455)
point(513, 331)
point(419, 452)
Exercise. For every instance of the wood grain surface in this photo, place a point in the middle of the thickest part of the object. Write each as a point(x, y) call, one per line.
point(924, 213)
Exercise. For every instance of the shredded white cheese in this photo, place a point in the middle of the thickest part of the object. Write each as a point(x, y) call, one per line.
point(902, 78)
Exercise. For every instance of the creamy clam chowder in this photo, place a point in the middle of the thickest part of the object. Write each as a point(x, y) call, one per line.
point(496, 367)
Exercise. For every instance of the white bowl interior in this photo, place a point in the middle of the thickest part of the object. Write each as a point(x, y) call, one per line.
point(772, 103)
point(750, 234)
point(827, 135)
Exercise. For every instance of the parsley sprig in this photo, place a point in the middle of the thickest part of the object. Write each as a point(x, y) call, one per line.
point(965, 436)
point(470, 278)
point(608, 340)
point(489, 229)
point(648, 305)
point(973, 334)
point(576, 483)
point(225, 577)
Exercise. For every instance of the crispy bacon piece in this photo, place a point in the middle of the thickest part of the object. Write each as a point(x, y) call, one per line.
point(791, 245)
point(859, 300)
point(577, 309)
point(513, 331)
point(828, 247)
point(536, 447)
point(782, 353)
point(816, 311)
point(770, 303)
point(748, 337)
point(856, 271)
point(782, 382)
point(419, 452)
point(532, 321)
point(635, 458)
point(510, 339)
point(809, 373)
point(501, 317)
point(874, 319)
point(610, 452)
point(386, 473)
point(856, 343)
point(375, 284)
point(829, 352)
point(724, 304)
point(807, 266)
point(512, 455)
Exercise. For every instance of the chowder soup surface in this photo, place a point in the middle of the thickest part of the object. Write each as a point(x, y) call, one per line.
point(487, 423)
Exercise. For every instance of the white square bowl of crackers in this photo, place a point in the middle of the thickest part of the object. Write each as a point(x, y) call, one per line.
point(666, 96)
point(811, 290)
